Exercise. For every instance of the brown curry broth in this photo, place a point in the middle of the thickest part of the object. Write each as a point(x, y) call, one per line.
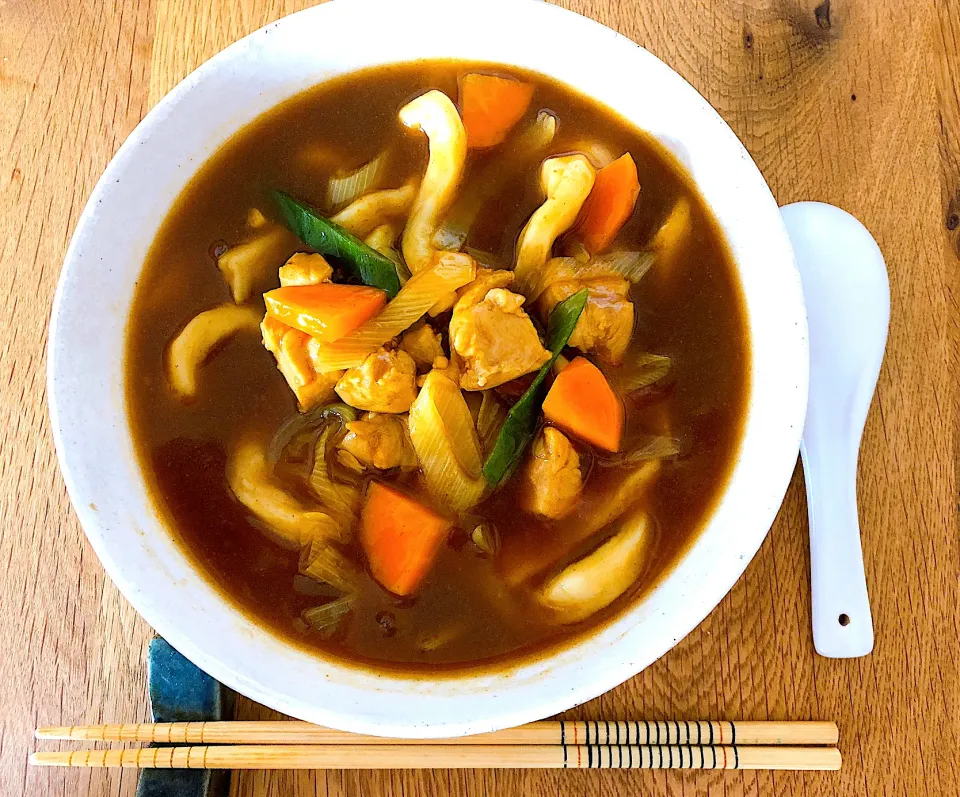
point(695, 316)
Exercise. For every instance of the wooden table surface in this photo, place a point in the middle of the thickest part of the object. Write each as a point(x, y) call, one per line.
point(853, 102)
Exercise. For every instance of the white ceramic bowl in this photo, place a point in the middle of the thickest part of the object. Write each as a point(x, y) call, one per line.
point(86, 381)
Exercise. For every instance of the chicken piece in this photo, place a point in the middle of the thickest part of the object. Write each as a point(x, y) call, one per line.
point(272, 332)
point(435, 115)
point(450, 367)
point(552, 480)
point(305, 269)
point(386, 381)
point(293, 353)
point(606, 324)
point(423, 344)
point(378, 441)
point(492, 334)
point(566, 182)
point(290, 348)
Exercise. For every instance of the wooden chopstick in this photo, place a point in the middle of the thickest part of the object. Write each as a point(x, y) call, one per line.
point(569, 732)
point(390, 756)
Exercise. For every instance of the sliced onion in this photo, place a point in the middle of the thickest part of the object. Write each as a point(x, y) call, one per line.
point(486, 537)
point(485, 259)
point(430, 642)
point(342, 190)
point(632, 266)
point(659, 447)
point(600, 155)
point(578, 251)
point(458, 422)
point(642, 369)
point(311, 588)
point(342, 501)
point(492, 414)
point(321, 561)
point(440, 454)
point(327, 617)
point(308, 422)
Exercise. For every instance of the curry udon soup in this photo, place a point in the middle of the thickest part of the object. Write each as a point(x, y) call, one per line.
point(436, 364)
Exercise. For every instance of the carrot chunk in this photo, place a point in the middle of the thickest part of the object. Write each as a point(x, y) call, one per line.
point(582, 402)
point(610, 204)
point(400, 538)
point(490, 106)
point(326, 311)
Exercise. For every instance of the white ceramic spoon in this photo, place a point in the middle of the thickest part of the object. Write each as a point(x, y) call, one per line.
point(848, 306)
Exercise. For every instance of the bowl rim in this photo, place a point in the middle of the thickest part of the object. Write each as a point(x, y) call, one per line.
point(385, 703)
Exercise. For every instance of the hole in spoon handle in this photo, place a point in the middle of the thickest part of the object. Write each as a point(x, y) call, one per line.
point(842, 624)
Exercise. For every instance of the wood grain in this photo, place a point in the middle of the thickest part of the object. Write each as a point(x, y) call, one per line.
point(854, 102)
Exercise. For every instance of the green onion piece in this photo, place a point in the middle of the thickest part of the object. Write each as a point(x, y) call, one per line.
point(331, 239)
point(521, 423)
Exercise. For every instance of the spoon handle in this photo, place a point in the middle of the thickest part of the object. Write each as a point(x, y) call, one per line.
point(842, 623)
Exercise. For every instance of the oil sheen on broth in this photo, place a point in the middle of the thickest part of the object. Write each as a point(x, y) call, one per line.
point(464, 612)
